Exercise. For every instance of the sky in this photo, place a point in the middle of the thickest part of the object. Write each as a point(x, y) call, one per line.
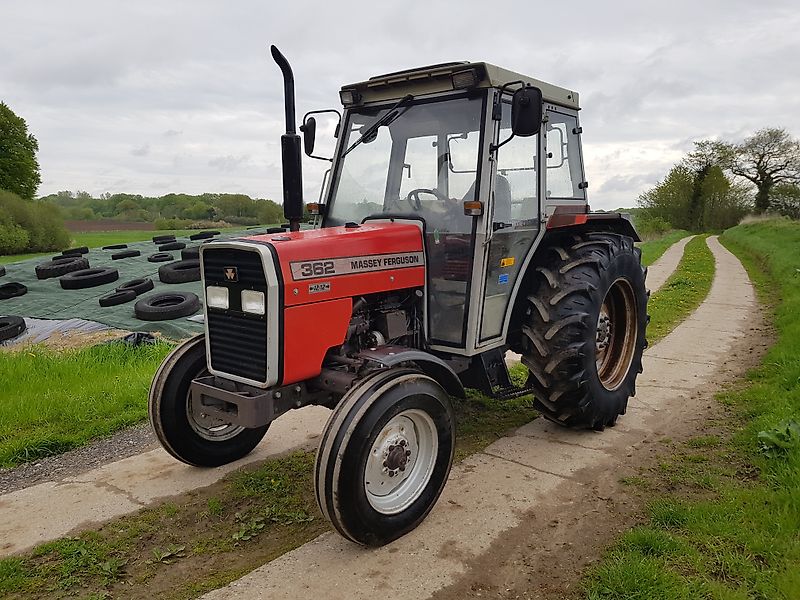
point(182, 96)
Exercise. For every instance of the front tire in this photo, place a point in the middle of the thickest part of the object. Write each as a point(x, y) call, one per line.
point(385, 456)
point(583, 332)
point(192, 442)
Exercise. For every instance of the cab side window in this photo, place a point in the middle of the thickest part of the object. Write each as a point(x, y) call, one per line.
point(564, 166)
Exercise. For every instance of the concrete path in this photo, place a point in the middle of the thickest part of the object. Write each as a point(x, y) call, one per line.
point(659, 271)
point(50, 510)
point(125, 486)
point(490, 492)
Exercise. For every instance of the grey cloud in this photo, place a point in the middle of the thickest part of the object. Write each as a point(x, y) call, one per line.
point(228, 163)
point(142, 150)
point(171, 133)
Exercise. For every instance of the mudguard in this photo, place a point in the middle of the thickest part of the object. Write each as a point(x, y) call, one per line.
point(429, 364)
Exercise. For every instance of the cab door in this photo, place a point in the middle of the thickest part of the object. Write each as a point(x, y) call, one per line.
point(514, 225)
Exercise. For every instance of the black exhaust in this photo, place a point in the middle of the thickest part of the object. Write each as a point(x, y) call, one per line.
point(290, 150)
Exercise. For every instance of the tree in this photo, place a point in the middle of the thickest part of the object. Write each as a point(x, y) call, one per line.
point(768, 157)
point(696, 199)
point(19, 168)
point(785, 198)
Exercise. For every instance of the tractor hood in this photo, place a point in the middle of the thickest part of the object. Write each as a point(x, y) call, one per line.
point(347, 261)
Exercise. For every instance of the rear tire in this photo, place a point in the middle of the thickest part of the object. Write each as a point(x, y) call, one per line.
point(169, 406)
point(583, 330)
point(385, 456)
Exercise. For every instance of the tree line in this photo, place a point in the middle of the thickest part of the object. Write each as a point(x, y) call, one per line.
point(170, 211)
point(720, 182)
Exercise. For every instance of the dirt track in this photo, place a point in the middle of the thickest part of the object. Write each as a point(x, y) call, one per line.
point(530, 495)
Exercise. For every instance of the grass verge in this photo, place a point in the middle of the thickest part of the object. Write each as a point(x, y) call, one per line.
point(683, 291)
point(653, 249)
point(724, 511)
point(209, 537)
point(54, 401)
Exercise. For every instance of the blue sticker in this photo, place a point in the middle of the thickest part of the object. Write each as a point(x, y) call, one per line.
point(503, 279)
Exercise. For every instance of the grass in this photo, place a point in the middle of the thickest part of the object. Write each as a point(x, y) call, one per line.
point(54, 401)
point(728, 527)
point(652, 250)
point(683, 291)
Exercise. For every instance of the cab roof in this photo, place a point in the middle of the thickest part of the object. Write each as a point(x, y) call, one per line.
point(439, 78)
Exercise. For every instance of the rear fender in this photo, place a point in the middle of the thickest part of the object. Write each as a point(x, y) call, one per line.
point(613, 222)
point(431, 365)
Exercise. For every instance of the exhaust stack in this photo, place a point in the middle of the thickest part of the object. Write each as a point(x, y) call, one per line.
point(290, 150)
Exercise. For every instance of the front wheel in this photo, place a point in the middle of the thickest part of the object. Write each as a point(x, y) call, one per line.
point(197, 442)
point(385, 455)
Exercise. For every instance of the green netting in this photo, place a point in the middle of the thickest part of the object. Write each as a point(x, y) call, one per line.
point(47, 300)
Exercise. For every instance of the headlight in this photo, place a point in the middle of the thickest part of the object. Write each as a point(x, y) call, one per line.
point(217, 297)
point(253, 302)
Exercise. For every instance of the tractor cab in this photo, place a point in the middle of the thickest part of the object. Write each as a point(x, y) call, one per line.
point(440, 145)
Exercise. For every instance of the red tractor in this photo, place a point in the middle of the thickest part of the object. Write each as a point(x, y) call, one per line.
point(453, 227)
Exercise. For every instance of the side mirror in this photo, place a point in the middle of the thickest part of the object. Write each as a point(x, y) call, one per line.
point(526, 111)
point(309, 129)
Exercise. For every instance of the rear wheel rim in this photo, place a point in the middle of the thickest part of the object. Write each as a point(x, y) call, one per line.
point(401, 462)
point(616, 336)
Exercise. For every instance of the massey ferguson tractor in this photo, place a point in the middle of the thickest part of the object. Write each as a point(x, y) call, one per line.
point(453, 227)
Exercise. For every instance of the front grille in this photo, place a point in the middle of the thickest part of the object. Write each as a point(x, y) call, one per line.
point(237, 341)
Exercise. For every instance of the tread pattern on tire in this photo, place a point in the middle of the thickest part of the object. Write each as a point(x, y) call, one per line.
point(60, 266)
point(117, 297)
point(160, 257)
point(557, 332)
point(180, 271)
point(11, 326)
point(138, 286)
point(87, 278)
point(126, 254)
point(173, 245)
point(163, 306)
point(12, 289)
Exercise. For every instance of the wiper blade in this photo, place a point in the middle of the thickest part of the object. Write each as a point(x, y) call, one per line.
point(386, 119)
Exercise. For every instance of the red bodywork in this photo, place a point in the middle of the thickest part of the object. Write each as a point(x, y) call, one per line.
point(317, 308)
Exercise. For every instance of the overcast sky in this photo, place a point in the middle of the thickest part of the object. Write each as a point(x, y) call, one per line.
point(156, 97)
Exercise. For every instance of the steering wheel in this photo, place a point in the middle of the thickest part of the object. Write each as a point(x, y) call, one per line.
point(413, 197)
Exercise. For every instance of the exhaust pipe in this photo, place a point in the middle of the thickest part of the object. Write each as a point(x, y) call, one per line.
point(290, 150)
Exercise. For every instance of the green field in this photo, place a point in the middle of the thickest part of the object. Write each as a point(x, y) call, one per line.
point(97, 239)
point(724, 511)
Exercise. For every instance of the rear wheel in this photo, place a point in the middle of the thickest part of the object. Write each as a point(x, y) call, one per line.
point(385, 455)
point(583, 330)
point(191, 439)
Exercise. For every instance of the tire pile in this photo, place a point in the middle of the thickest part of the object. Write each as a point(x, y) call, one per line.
point(73, 271)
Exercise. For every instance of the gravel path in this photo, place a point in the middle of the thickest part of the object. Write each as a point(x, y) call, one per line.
point(129, 442)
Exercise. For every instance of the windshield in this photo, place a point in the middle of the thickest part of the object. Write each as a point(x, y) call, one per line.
point(423, 162)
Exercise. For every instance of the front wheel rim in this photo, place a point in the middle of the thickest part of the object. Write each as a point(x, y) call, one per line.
point(207, 427)
point(616, 336)
point(401, 461)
